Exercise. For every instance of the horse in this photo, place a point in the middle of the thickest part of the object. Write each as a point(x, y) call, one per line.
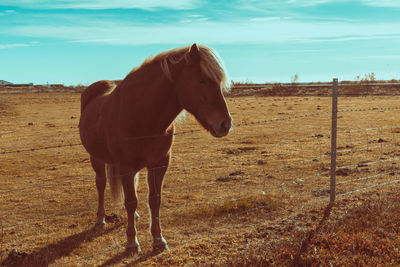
point(130, 126)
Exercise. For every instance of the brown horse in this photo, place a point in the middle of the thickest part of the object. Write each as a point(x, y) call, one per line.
point(130, 127)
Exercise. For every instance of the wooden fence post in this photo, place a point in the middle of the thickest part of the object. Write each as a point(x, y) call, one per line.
point(333, 139)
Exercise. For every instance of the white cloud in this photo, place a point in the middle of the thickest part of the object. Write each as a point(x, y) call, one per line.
point(258, 19)
point(257, 4)
point(257, 32)
point(284, 4)
point(7, 12)
point(191, 19)
point(383, 3)
point(377, 3)
point(15, 45)
point(180, 4)
point(309, 2)
point(391, 57)
point(101, 4)
point(6, 46)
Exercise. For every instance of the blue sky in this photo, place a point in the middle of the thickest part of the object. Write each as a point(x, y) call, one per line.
point(81, 41)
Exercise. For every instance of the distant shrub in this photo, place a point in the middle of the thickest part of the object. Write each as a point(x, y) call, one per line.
point(294, 79)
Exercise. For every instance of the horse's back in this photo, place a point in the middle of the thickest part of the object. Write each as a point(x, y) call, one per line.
point(96, 89)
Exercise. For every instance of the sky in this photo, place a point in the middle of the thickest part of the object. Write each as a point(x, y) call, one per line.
point(81, 41)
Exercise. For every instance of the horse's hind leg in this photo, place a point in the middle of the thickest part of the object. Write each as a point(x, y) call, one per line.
point(155, 178)
point(99, 168)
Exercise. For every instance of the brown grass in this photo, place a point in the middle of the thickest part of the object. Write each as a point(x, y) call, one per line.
point(247, 199)
point(365, 235)
point(353, 233)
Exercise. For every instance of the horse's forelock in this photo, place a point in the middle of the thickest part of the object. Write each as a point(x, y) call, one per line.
point(212, 67)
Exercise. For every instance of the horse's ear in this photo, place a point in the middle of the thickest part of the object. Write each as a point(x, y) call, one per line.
point(194, 54)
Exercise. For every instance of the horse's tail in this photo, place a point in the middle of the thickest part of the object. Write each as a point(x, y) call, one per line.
point(96, 89)
point(114, 179)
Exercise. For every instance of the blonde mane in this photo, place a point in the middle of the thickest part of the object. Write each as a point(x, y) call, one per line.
point(210, 64)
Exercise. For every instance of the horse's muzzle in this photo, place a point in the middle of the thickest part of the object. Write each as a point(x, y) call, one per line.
point(222, 127)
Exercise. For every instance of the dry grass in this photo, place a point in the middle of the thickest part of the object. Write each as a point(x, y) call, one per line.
point(247, 199)
point(367, 234)
point(353, 233)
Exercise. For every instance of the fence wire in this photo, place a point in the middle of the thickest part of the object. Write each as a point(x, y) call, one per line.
point(301, 176)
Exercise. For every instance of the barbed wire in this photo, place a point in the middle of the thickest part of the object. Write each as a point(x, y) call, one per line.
point(291, 164)
point(369, 109)
point(365, 164)
point(368, 187)
point(39, 148)
point(391, 173)
point(287, 189)
point(242, 124)
point(325, 84)
point(345, 150)
point(161, 135)
point(281, 213)
point(370, 129)
point(282, 216)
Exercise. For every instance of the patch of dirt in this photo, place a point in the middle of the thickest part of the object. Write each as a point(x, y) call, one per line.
point(343, 172)
point(240, 150)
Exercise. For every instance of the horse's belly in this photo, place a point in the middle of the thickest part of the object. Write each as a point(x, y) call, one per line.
point(97, 149)
point(146, 153)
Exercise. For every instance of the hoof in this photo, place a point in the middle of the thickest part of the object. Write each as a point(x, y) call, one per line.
point(160, 245)
point(133, 249)
point(132, 246)
point(100, 223)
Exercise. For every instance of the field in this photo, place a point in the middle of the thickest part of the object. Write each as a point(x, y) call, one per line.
point(256, 197)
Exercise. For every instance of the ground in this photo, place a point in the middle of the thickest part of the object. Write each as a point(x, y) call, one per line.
point(256, 197)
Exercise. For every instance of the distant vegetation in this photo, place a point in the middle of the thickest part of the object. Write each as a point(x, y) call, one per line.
point(368, 85)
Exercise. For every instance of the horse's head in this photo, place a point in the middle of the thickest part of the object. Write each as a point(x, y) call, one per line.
point(199, 88)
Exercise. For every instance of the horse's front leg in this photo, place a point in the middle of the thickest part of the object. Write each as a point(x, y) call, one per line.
point(128, 183)
point(155, 179)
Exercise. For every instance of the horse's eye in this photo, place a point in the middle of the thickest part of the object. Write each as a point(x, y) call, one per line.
point(203, 81)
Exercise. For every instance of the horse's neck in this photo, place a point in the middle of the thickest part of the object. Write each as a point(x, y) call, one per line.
point(148, 101)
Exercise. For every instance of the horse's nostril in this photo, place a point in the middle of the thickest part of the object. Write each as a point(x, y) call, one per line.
point(226, 125)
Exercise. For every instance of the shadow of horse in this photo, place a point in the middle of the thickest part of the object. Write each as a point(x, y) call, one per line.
point(118, 258)
point(51, 252)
